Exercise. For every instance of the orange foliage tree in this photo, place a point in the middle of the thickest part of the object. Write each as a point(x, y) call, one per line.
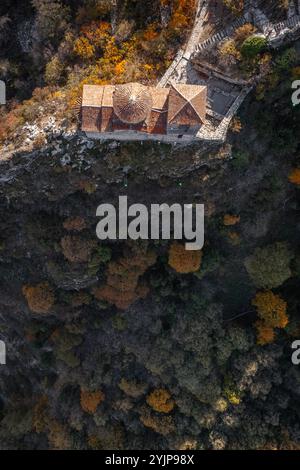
point(140, 55)
point(40, 298)
point(74, 224)
point(231, 219)
point(89, 401)
point(294, 176)
point(92, 40)
point(265, 333)
point(236, 125)
point(243, 32)
point(183, 12)
point(9, 121)
point(271, 310)
point(161, 424)
point(42, 422)
point(44, 101)
point(122, 284)
point(182, 260)
point(98, 33)
point(160, 400)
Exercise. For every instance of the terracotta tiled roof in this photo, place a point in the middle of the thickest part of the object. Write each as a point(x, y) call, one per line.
point(187, 104)
point(107, 99)
point(107, 114)
point(107, 111)
point(91, 119)
point(132, 102)
point(180, 104)
point(159, 98)
point(157, 122)
point(92, 95)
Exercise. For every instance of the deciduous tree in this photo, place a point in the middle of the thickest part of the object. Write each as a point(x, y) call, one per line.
point(294, 176)
point(89, 400)
point(269, 266)
point(271, 308)
point(160, 400)
point(40, 298)
point(182, 260)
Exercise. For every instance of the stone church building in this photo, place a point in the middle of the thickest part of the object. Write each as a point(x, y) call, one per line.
point(137, 112)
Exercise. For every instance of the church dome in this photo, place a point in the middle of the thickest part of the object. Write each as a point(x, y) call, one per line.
point(132, 102)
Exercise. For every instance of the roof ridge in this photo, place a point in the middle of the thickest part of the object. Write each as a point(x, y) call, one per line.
point(187, 101)
point(192, 87)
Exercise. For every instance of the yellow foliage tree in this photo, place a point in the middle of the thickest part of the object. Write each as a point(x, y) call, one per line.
point(160, 400)
point(83, 48)
point(229, 49)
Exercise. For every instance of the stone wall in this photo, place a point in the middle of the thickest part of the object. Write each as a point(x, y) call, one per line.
point(170, 71)
point(141, 136)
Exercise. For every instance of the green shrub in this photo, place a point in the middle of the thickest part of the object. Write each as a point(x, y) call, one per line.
point(252, 46)
point(240, 160)
point(286, 59)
